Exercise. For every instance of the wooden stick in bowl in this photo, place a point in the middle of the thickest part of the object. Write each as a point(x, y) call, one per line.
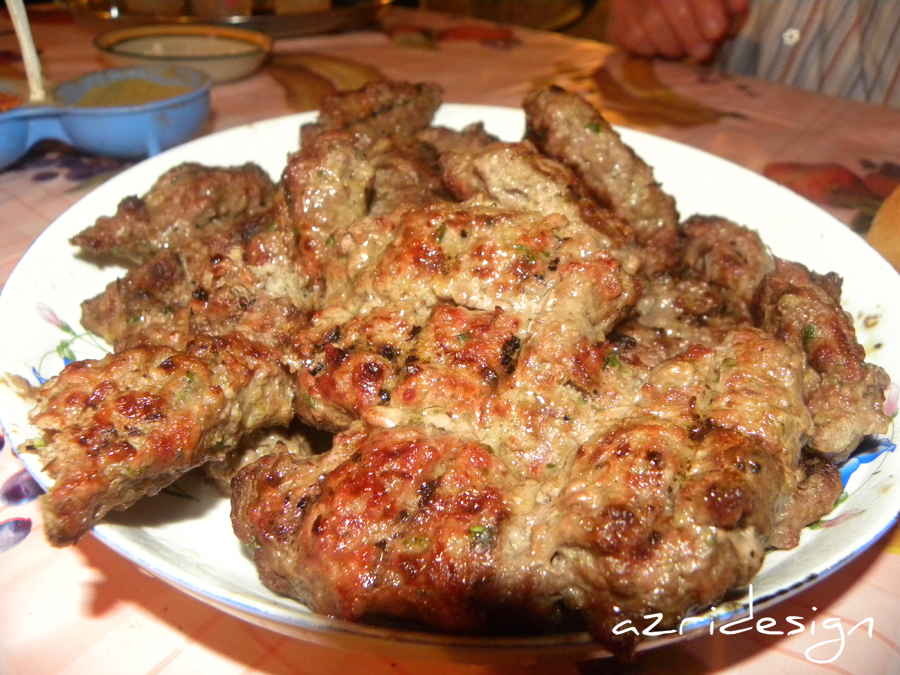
point(36, 90)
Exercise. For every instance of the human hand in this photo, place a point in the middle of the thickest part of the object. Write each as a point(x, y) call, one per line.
point(672, 28)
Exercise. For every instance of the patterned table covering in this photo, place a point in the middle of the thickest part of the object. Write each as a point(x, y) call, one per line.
point(86, 610)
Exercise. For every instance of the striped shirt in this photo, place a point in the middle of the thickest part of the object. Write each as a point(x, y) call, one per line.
point(848, 48)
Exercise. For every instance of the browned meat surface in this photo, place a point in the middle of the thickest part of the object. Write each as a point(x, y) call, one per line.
point(676, 537)
point(298, 440)
point(370, 163)
point(381, 109)
point(151, 298)
point(221, 252)
point(709, 292)
point(516, 176)
point(395, 522)
point(819, 486)
point(728, 256)
point(184, 201)
point(447, 141)
point(843, 392)
point(239, 275)
point(483, 257)
point(407, 174)
point(552, 402)
point(668, 502)
point(468, 313)
point(675, 496)
point(129, 424)
point(567, 128)
point(212, 286)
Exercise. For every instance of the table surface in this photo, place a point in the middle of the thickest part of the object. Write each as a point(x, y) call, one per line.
point(87, 610)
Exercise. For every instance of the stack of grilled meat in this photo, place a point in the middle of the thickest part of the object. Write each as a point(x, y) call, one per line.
point(554, 403)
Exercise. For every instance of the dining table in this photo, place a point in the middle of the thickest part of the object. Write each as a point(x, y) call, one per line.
point(87, 610)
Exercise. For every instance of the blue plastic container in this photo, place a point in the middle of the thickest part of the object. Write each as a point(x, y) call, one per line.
point(125, 132)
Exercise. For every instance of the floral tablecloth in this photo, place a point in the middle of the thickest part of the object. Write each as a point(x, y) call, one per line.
point(87, 610)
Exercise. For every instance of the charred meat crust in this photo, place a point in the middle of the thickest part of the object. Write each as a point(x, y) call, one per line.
point(129, 424)
point(570, 130)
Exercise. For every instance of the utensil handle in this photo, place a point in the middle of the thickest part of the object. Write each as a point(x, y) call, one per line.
point(29, 52)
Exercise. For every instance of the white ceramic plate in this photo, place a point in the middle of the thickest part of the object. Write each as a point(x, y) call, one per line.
point(189, 543)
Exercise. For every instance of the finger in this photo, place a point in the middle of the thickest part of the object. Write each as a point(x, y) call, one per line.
point(635, 41)
point(713, 19)
point(661, 32)
point(626, 27)
point(687, 27)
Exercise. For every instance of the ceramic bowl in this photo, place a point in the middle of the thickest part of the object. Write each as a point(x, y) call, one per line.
point(13, 129)
point(123, 131)
point(222, 52)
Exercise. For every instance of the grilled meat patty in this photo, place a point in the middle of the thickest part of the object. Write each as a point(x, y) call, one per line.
point(664, 502)
point(129, 424)
point(554, 405)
